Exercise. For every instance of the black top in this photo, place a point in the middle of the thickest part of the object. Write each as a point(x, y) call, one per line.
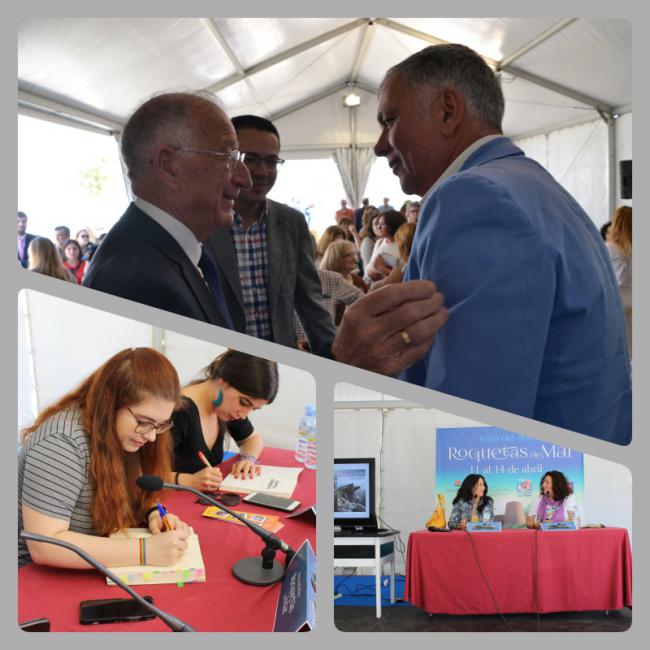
point(189, 440)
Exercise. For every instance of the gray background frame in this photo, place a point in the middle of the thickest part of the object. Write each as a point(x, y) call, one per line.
point(327, 373)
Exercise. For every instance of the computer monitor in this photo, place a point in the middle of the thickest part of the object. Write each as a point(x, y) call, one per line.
point(354, 493)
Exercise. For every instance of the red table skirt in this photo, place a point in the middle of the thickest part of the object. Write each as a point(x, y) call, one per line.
point(222, 603)
point(526, 570)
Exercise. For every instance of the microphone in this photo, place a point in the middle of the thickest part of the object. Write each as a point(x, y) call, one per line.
point(172, 622)
point(248, 570)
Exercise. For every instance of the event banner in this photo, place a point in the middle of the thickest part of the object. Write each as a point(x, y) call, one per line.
point(512, 464)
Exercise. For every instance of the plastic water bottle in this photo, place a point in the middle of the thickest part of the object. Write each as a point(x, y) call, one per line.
point(306, 424)
point(576, 516)
point(310, 436)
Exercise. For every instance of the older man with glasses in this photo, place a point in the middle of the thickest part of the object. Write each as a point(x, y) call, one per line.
point(180, 151)
point(266, 256)
point(186, 171)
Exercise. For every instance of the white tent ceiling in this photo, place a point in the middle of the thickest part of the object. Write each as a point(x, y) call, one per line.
point(96, 71)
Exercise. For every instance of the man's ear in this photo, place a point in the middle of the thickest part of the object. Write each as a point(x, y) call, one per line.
point(165, 162)
point(452, 110)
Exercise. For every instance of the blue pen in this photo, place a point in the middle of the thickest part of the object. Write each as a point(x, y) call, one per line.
point(163, 515)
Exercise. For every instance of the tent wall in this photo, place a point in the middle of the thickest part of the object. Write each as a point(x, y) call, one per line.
point(577, 157)
point(60, 343)
point(405, 453)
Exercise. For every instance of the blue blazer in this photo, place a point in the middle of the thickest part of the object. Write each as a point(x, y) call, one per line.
point(536, 325)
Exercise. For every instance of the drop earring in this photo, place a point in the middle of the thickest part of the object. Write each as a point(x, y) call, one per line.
point(219, 399)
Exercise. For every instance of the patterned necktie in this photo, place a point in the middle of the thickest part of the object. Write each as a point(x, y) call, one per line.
point(211, 276)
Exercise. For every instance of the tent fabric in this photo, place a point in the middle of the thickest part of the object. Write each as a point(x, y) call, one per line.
point(556, 73)
point(107, 66)
point(354, 167)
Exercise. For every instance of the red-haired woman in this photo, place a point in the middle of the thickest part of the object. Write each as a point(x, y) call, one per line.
point(619, 245)
point(79, 462)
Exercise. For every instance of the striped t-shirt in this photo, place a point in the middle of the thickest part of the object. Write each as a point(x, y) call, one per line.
point(53, 475)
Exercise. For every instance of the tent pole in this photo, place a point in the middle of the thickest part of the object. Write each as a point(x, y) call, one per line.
point(158, 339)
point(29, 340)
point(353, 167)
point(611, 164)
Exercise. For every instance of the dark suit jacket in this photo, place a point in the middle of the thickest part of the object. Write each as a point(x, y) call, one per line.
point(24, 260)
point(139, 260)
point(293, 282)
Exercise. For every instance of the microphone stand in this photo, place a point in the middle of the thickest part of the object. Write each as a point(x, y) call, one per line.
point(248, 570)
point(172, 622)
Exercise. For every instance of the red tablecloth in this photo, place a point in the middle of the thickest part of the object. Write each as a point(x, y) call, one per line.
point(527, 571)
point(222, 603)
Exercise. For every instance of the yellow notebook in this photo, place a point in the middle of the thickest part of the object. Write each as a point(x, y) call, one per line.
point(189, 568)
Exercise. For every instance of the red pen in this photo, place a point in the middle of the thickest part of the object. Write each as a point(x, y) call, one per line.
point(204, 460)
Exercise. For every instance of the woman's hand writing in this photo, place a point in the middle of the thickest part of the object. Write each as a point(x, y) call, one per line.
point(207, 480)
point(166, 548)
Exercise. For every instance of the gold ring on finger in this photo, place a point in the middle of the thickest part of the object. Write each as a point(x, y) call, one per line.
point(405, 337)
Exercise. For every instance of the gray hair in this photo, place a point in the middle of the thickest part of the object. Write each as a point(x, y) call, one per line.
point(168, 118)
point(459, 66)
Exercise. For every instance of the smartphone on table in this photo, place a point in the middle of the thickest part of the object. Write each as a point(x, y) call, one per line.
point(268, 501)
point(114, 610)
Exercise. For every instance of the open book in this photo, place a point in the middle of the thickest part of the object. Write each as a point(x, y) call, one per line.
point(278, 481)
point(189, 568)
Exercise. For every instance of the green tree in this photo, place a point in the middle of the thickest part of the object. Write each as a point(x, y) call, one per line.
point(94, 177)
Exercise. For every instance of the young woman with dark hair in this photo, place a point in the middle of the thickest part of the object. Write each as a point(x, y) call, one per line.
point(471, 503)
point(385, 255)
point(233, 385)
point(368, 235)
point(80, 459)
point(74, 260)
point(554, 502)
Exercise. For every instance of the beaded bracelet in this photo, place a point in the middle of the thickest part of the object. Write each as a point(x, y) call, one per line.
point(248, 457)
point(143, 551)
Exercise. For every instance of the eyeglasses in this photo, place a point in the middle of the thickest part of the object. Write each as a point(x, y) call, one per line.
point(231, 157)
point(144, 426)
point(272, 163)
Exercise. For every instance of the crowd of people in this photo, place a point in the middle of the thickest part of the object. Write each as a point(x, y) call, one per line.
point(365, 248)
point(62, 257)
point(531, 320)
point(128, 418)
